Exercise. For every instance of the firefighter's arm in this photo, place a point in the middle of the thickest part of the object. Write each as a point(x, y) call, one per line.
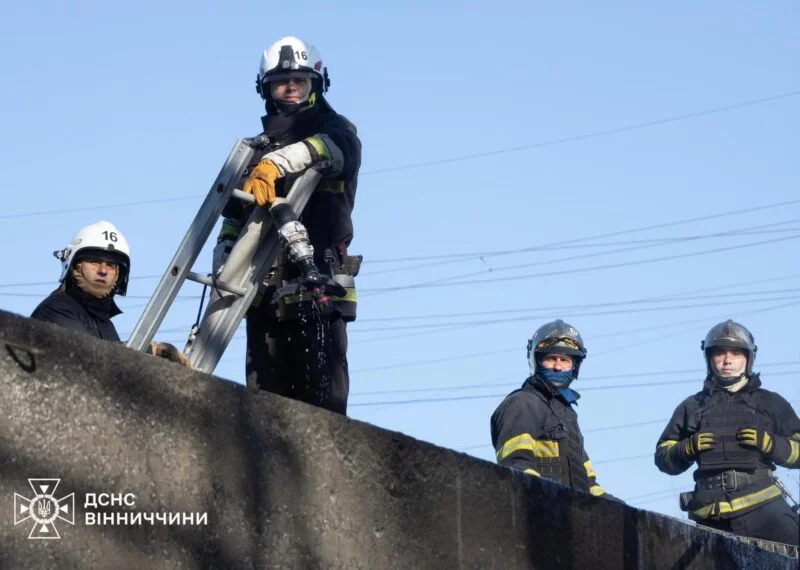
point(296, 158)
point(789, 426)
point(344, 135)
point(594, 488)
point(292, 159)
point(513, 431)
point(677, 449)
point(781, 447)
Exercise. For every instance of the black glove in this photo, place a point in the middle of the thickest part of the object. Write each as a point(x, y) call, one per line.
point(754, 438)
point(698, 443)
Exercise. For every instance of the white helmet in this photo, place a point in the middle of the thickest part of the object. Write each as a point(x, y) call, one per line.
point(291, 56)
point(103, 239)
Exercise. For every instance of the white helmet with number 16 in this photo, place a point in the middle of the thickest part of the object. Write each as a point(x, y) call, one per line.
point(291, 57)
point(98, 241)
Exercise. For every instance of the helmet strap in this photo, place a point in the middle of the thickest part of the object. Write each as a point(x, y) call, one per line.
point(729, 381)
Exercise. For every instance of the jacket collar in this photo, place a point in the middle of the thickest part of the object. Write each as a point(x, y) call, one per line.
point(753, 383)
point(100, 308)
point(535, 383)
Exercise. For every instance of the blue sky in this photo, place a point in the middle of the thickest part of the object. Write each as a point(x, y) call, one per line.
point(630, 168)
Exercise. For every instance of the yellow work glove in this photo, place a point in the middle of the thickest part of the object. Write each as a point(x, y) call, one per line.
point(760, 440)
point(261, 182)
point(697, 444)
point(170, 352)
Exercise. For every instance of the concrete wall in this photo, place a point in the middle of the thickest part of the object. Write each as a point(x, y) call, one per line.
point(284, 485)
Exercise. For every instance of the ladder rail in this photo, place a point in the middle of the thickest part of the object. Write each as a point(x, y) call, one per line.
point(246, 267)
point(189, 249)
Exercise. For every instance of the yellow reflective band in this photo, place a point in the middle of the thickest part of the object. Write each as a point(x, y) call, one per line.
point(351, 296)
point(589, 469)
point(532, 472)
point(332, 186)
point(319, 146)
point(230, 229)
point(795, 454)
point(795, 436)
point(738, 504)
point(524, 442)
point(597, 490)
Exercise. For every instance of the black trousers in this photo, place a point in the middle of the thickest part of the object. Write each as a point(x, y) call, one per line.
point(304, 359)
point(774, 521)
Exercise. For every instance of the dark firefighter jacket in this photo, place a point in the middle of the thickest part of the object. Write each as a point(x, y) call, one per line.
point(534, 430)
point(328, 214)
point(730, 479)
point(78, 311)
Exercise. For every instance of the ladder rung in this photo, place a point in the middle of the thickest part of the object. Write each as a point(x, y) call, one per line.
point(206, 280)
point(243, 196)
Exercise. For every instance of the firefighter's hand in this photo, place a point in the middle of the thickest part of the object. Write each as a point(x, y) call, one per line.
point(261, 182)
point(698, 443)
point(170, 352)
point(753, 438)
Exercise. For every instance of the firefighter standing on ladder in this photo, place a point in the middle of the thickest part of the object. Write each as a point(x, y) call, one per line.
point(294, 348)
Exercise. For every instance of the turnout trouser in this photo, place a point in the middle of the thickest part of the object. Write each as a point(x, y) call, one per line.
point(773, 521)
point(304, 359)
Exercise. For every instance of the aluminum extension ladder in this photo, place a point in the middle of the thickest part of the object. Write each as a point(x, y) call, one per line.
point(234, 289)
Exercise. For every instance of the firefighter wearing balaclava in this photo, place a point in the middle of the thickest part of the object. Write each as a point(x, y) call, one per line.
point(95, 267)
point(294, 348)
point(535, 429)
point(736, 432)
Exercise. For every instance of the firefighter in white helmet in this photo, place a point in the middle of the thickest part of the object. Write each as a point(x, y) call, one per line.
point(95, 267)
point(296, 346)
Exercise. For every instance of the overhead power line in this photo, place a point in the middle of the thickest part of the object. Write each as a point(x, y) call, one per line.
point(559, 308)
point(459, 326)
point(461, 158)
point(530, 248)
point(449, 281)
point(586, 239)
point(698, 372)
point(595, 134)
point(537, 314)
point(503, 395)
point(631, 245)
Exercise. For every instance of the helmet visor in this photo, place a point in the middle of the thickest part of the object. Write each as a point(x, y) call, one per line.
point(97, 254)
point(286, 75)
point(560, 345)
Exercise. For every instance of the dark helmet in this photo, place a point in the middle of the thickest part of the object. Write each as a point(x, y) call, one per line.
point(556, 337)
point(730, 334)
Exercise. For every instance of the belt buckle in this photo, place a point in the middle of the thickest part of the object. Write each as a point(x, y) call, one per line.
point(725, 486)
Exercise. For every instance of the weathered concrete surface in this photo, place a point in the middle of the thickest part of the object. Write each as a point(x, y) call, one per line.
point(284, 485)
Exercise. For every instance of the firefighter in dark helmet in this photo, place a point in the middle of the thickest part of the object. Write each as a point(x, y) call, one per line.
point(535, 429)
point(736, 432)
